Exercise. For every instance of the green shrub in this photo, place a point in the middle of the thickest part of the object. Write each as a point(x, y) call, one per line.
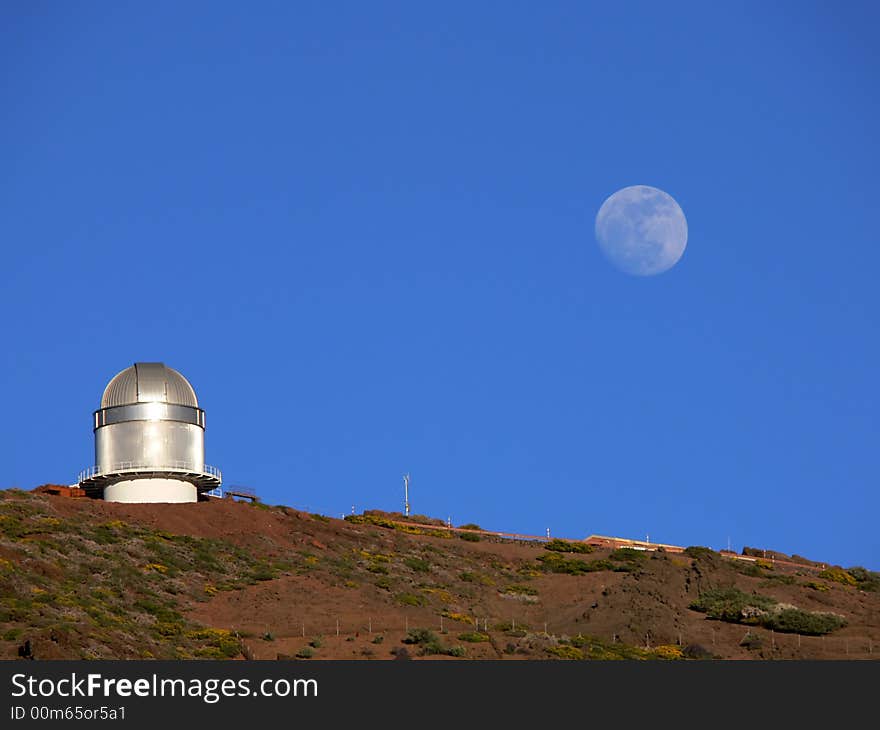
point(469, 526)
point(316, 643)
point(419, 565)
point(420, 636)
point(866, 580)
point(838, 575)
point(567, 546)
point(220, 643)
point(263, 573)
point(469, 537)
point(796, 621)
point(595, 648)
point(305, 653)
point(432, 648)
point(473, 637)
point(752, 641)
point(731, 604)
point(104, 535)
point(697, 651)
point(627, 555)
point(209, 652)
point(411, 599)
point(817, 586)
point(160, 611)
point(456, 651)
point(378, 639)
point(556, 563)
point(753, 570)
point(426, 640)
point(699, 552)
point(423, 520)
point(565, 652)
point(521, 590)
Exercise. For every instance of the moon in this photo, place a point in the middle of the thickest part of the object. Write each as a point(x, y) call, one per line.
point(641, 230)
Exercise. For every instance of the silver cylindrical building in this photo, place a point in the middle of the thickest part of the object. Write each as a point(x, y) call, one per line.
point(149, 439)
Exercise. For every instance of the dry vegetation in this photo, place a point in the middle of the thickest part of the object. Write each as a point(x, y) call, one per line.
point(85, 579)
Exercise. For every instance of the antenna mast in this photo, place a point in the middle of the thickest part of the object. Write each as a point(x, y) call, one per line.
point(406, 480)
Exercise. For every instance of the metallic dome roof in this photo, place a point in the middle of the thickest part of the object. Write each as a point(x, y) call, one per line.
point(148, 382)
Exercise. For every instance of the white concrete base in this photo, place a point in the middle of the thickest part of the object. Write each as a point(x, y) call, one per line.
point(151, 490)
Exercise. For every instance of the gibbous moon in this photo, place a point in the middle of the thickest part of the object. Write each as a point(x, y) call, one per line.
point(641, 230)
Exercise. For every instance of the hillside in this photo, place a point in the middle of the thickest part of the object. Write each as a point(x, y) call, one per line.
point(90, 579)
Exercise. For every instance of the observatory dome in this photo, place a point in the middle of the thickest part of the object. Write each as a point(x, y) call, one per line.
point(149, 439)
point(149, 382)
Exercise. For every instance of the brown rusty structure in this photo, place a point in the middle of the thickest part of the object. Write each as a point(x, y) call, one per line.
point(240, 493)
point(61, 490)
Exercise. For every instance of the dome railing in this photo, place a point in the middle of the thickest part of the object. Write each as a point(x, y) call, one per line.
point(185, 467)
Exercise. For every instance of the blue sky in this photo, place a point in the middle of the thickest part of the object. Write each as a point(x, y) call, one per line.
point(364, 231)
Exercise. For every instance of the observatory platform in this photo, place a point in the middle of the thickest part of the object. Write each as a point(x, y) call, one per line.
point(149, 440)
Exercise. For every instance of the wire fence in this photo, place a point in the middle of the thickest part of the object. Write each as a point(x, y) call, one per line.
point(714, 638)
